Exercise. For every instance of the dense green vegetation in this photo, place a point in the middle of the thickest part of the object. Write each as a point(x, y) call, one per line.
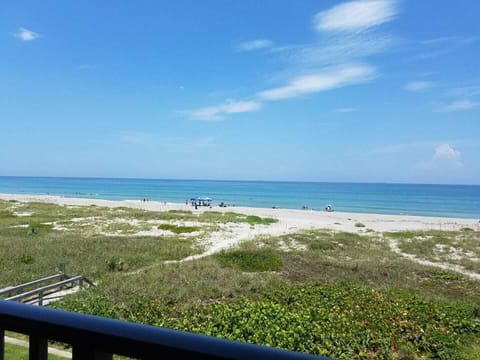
point(341, 320)
point(251, 260)
point(179, 229)
point(334, 293)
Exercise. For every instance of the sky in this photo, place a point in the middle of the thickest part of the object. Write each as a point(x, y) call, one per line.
point(359, 91)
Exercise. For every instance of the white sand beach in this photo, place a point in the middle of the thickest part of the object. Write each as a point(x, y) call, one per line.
point(288, 219)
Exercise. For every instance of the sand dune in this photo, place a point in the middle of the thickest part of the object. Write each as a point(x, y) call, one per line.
point(288, 219)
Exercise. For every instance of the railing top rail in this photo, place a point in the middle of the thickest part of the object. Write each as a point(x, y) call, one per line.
point(45, 288)
point(20, 287)
point(129, 339)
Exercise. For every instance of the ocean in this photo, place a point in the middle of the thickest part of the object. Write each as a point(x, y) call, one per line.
point(406, 199)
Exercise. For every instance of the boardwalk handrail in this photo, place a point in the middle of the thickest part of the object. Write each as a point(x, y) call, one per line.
point(10, 289)
point(41, 290)
point(94, 337)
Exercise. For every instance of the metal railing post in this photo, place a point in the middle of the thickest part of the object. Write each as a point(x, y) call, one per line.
point(38, 348)
point(84, 352)
point(2, 344)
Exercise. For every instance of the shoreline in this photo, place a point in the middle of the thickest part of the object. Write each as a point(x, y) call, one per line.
point(452, 201)
point(290, 219)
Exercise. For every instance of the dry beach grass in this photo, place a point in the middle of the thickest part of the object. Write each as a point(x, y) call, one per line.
point(156, 263)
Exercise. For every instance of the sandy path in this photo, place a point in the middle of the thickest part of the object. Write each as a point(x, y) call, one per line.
point(445, 266)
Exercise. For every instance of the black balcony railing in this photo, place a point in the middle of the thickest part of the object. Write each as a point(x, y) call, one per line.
point(94, 337)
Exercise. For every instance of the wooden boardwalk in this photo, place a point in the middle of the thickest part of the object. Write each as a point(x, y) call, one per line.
point(45, 290)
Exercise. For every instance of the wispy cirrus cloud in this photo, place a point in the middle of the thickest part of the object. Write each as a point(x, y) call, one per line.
point(325, 80)
point(450, 40)
point(333, 60)
point(26, 34)
point(333, 50)
point(355, 15)
point(464, 90)
point(418, 86)
point(218, 112)
point(440, 46)
point(459, 105)
point(252, 45)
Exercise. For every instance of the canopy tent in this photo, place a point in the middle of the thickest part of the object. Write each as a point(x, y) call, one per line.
point(201, 201)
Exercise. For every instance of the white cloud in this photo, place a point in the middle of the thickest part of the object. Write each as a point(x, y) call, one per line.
point(459, 105)
point(215, 113)
point(331, 61)
point(333, 50)
point(356, 15)
point(446, 152)
point(450, 40)
point(26, 35)
point(328, 79)
point(418, 86)
point(445, 158)
point(254, 45)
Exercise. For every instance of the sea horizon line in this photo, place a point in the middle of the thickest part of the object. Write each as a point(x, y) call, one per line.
point(240, 180)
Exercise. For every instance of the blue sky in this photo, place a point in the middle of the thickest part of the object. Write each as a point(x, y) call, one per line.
point(365, 91)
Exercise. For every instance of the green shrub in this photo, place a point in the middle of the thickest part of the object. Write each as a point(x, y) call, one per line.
point(116, 264)
point(26, 259)
point(359, 224)
point(344, 321)
point(401, 235)
point(321, 244)
point(253, 220)
point(178, 229)
point(6, 214)
point(39, 228)
point(251, 260)
point(347, 238)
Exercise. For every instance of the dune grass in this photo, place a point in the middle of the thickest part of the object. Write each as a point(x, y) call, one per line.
point(334, 293)
point(355, 299)
point(451, 247)
point(250, 260)
point(94, 240)
point(179, 229)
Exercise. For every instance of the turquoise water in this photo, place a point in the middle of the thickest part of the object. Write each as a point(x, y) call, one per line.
point(429, 200)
